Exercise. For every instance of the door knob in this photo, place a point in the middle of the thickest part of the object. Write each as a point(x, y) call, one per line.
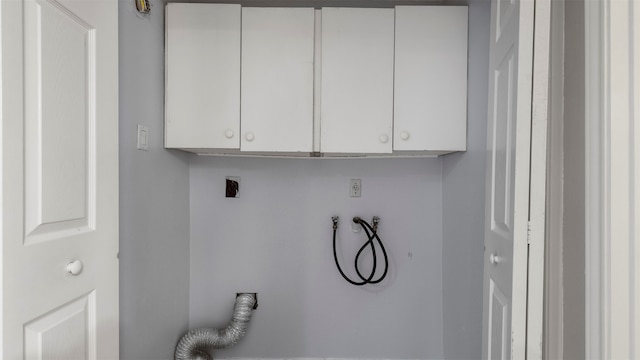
point(75, 267)
point(495, 259)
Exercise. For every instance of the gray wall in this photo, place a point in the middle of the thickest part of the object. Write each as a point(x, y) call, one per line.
point(553, 297)
point(276, 240)
point(574, 181)
point(463, 206)
point(154, 199)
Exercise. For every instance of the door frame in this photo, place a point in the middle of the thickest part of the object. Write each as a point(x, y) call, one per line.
point(612, 196)
point(538, 179)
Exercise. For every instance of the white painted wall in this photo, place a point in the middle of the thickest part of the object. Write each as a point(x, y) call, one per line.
point(463, 205)
point(154, 199)
point(276, 240)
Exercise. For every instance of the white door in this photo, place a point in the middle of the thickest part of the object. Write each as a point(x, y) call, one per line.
point(59, 109)
point(277, 79)
point(357, 80)
point(508, 176)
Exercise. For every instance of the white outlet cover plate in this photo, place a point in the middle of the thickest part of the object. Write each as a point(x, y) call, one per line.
point(355, 188)
point(143, 137)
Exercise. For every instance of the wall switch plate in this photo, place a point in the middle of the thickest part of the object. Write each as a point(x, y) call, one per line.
point(232, 189)
point(355, 187)
point(143, 137)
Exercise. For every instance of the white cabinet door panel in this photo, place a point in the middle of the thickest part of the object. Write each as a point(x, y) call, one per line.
point(277, 79)
point(357, 80)
point(203, 76)
point(430, 98)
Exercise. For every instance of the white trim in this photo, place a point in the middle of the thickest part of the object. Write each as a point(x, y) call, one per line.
point(538, 175)
point(619, 154)
point(2, 152)
point(612, 202)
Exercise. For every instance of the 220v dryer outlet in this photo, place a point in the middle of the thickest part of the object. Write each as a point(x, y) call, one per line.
point(232, 188)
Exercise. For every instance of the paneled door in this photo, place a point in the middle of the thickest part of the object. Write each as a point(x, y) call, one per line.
point(508, 179)
point(59, 154)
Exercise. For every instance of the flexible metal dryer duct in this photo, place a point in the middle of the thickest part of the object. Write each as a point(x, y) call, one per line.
point(195, 344)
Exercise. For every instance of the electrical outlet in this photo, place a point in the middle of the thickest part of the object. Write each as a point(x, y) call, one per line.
point(355, 187)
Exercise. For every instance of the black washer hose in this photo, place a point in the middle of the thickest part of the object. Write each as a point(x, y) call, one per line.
point(372, 235)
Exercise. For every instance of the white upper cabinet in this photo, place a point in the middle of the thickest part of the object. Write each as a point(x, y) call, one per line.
point(202, 76)
point(296, 81)
point(277, 79)
point(357, 80)
point(430, 99)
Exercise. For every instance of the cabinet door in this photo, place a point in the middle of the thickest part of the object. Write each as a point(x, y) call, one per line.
point(202, 76)
point(277, 79)
point(430, 110)
point(357, 80)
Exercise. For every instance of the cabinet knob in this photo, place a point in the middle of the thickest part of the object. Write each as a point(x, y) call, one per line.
point(75, 267)
point(494, 259)
point(404, 135)
point(249, 136)
point(384, 138)
point(229, 134)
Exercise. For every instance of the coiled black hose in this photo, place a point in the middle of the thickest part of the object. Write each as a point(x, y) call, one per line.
point(372, 234)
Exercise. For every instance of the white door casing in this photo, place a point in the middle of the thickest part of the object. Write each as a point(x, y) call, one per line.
point(508, 176)
point(59, 178)
point(612, 199)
